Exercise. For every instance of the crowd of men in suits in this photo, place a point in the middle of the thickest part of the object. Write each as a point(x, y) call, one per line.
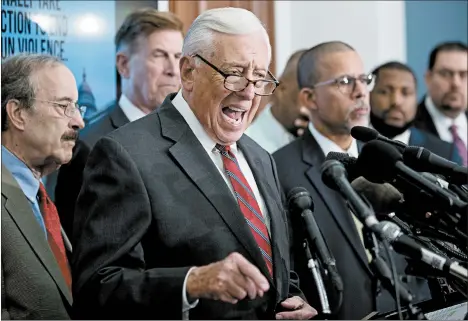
point(165, 209)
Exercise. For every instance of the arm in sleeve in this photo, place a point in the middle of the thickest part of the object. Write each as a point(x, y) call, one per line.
point(113, 216)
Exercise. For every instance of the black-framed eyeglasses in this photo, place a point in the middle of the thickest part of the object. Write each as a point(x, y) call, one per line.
point(70, 108)
point(262, 87)
point(347, 84)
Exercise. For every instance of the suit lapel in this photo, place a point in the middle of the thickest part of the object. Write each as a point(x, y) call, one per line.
point(331, 199)
point(279, 245)
point(21, 212)
point(118, 118)
point(195, 162)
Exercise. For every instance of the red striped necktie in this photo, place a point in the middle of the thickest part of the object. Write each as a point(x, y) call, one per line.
point(248, 204)
point(54, 234)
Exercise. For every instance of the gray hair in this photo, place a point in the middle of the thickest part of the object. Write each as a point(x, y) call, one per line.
point(17, 82)
point(234, 21)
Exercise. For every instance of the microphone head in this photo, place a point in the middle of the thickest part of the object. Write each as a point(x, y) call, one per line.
point(349, 163)
point(376, 156)
point(299, 200)
point(384, 198)
point(332, 169)
point(364, 134)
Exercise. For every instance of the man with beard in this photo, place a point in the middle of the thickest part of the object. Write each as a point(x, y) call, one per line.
point(40, 124)
point(277, 125)
point(443, 111)
point(393, 108)
point(149, 45)
point(335, 87)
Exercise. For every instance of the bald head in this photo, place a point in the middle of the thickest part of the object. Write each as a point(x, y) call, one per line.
point(290, 70)
point(308, 68)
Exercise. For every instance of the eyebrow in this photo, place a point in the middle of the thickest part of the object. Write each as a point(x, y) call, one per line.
point(158, 50)
point(240, 65)
point(64, 98)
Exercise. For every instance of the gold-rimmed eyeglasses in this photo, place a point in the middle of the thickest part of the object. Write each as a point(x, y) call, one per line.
point(70, 108)
point(262, 87)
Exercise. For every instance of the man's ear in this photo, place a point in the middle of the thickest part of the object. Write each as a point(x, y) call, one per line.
point(307, 98)
point(16, 114)
point(122, 62)
point(187, 72)
point(427, 78)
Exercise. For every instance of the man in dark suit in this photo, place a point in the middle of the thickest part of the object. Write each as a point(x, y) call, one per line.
point(180, 215)
point(393, 103)
point(334, 87)
point(40, 123)
point(443, 111)
point(149, 45)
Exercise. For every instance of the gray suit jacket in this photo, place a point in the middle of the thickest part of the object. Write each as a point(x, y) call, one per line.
point(153, 205)
point(32, 285)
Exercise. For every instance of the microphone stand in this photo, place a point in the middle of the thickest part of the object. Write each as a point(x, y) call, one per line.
point(312, 264)
point(384, 275)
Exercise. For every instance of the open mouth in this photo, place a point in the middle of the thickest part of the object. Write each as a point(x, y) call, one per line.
point(234, 115)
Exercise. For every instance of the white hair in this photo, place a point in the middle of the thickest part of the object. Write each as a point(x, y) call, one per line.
point(234, 21)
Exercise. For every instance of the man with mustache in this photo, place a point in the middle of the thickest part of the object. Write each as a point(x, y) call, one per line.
point(40, 123)
point(180, 214)
point(335, 88)
point(393, 109)
point(443, 111)
point(149, 45)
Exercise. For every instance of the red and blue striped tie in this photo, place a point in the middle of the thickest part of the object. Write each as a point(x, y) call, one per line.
point(248, 204)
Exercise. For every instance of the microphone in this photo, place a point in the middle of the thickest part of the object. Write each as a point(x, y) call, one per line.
point(389, 158)
point(334, 176)
point(349, 163)
point(384, 198)
point(366, 134)
point(405, 245)
point(300, 201)
point(422, 160)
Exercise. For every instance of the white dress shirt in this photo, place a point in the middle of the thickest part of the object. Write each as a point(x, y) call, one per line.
point(268, 132)
point(442, 123)
point(209, 146)
point(129, 109)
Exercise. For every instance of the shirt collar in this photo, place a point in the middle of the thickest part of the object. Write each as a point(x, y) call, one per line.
point(129, 109)
point(327, 145)
point(184, 109)
point(438, 117)
point(22, 173)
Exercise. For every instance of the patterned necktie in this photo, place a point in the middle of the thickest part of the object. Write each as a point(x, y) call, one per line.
point(248, 204)
point(54, 235)
point(459, 144)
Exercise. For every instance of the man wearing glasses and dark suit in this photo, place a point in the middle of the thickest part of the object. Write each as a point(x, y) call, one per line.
point(335, 87)
point(180, 214)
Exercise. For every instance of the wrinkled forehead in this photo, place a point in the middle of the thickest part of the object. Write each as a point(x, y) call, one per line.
point(342, 63)
point(55, 81)
point(250, 50)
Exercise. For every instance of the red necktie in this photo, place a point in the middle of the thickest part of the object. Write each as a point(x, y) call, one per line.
point(248, 204)
point(54, 235)
point(459, 144)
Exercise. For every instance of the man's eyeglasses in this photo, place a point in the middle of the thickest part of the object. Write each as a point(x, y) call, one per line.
point(262, 87)
point(70, 108)
point(347, 84)
point(450, 74)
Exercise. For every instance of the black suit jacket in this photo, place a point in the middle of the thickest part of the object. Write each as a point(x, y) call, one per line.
point(299, 164)
point(153, 205)
point(424, 122)
point(70, 176)
point(32, 285)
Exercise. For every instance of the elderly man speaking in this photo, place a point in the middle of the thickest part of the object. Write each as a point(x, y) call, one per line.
point(180, 214)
